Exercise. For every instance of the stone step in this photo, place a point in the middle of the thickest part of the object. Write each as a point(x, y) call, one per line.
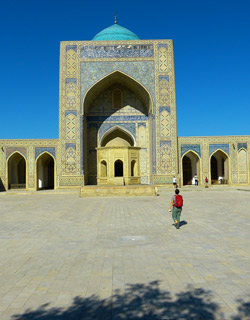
point(118, 191)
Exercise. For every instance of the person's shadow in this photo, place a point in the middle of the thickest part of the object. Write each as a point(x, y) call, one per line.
point(182, 223)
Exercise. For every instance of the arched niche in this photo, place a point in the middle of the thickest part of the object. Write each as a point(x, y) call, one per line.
point(103, 169)
point(117, 137)
point(134, 168)
point(219, 167)
point(242, 166)
point(16, 171)
point(190, 167)
point(45, 171)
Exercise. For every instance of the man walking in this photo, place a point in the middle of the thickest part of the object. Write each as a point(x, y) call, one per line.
point(176, 207)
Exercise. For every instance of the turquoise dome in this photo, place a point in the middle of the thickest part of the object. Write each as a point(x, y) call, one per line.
point(115, 32)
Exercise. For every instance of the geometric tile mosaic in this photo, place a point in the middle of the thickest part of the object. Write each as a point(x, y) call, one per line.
point(214, 147)
point(144, 179)
point(242, 145)
point(70, 181)
point(71, 47)
point(163, 57)
point(165, 157)
point(71, 126)
point(40, 150)
point(70, 158)
point(142, 71)
point(154, 144)
point(71, 62)
point(11, 150)
point(190, 147)
point(128, 126)
point(164, 108)
point(165, 123)
point(164, 90)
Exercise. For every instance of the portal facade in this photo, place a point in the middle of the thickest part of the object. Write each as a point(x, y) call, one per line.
point(117, 124)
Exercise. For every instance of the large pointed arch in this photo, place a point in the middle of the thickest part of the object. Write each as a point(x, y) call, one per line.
point(45, 171)
point(190, 166)
point(219, 164)
point(16, 171)
point(104, 114)
point(114, 78)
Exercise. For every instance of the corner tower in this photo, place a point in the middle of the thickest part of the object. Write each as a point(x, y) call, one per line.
point(117, 110)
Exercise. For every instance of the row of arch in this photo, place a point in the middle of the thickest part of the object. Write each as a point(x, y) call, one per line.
point(118, 168)
point(218, 164)
point(45, 168)
point(17, 171)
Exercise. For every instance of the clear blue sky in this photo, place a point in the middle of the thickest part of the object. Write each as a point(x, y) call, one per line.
point(212, 59)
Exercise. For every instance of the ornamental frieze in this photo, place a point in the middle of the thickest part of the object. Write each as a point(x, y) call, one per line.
point(118, 51)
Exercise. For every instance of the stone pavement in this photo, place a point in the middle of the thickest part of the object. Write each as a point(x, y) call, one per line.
point(66, 257)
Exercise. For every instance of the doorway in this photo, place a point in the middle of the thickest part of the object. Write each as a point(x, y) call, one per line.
point(219, 166)
point(45, 172)
point(118, 168)
point(16, 172)
point(190, 167)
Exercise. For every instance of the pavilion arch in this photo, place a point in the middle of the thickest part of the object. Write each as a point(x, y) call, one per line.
point(16, 171)
point(115, 78)
point(242, 166)
point(117, 136)
point(45, 171)
point(219, 167)
point(190, 166)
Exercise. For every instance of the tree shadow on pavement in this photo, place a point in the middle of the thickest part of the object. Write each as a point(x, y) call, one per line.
point(243, 309)
point(139, 301)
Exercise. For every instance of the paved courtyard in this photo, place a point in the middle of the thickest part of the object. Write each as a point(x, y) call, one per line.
point(65, 257)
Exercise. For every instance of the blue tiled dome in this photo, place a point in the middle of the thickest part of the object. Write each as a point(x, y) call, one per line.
point(115, 32)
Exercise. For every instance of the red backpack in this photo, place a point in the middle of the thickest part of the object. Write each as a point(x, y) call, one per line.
point(178, 203)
